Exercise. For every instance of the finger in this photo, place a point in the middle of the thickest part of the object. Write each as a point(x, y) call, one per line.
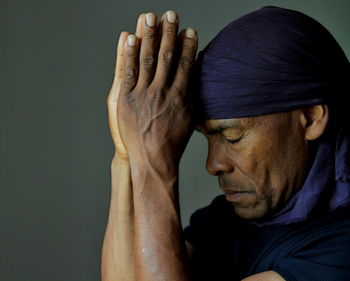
point(167, 48)
point(131, 65)
point(149, 50)
point(139, 26)
point(189, 44)
point(119, 65)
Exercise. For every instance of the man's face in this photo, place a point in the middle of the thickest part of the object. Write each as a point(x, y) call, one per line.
point(260, 161)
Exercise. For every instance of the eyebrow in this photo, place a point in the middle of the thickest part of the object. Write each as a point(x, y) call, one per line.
point(221, 127)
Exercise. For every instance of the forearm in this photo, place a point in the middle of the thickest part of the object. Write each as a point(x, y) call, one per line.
point(160, 251)
point(118, 251)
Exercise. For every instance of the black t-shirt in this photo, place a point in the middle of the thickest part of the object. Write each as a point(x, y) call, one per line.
point(227, 247)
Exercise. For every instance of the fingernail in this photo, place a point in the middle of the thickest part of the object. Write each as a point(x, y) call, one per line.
point(131, 40)
point(190, 33)
point(151, 19)
point(171, 16)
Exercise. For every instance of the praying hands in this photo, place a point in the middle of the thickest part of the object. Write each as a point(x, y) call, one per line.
point(150, 123)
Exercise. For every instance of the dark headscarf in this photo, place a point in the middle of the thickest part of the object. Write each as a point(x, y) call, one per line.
point(275, 60)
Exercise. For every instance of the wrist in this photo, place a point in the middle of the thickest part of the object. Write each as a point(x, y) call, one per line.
point(118, 162)
point(161, 171)
point(120, 156)
point(154, 190)
point(163, 161)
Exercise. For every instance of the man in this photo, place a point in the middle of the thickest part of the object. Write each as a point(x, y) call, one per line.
point(268, 93)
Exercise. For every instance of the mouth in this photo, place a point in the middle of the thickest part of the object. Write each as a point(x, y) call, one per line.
point(234, 196)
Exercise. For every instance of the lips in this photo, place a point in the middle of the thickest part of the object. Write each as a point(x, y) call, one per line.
point(230, 191)
point(234, 196)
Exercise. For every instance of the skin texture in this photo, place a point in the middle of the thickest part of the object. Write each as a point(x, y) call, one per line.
point(146, 101)
point(152, 104)
point(260, 161)
point(150, 123)
point(117, 259)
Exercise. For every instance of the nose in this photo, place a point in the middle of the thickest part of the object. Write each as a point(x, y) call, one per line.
point(218, 163)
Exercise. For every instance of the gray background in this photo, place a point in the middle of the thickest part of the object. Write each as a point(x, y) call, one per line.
point(57, 60)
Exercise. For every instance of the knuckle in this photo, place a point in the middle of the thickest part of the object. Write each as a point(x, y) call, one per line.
point(168, 56)
point(177, 91)
point(131, 53)
point(130, 73)
point(178, 99)
point(188, 44)
point(149, 33)
point(148, 61)
point(129, 98)
point(127, 85)
point(170, 30)
point(158, 98)
point(186, 64)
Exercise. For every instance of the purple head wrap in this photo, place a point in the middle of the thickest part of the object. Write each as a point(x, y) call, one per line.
point(274, 60)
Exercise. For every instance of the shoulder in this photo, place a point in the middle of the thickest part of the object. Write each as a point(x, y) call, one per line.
point(315, 250)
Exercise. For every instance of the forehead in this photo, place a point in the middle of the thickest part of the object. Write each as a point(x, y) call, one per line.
point(261, 122)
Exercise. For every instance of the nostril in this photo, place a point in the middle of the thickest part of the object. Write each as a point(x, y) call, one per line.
point(217, 166)
point(210, 168)
point(213, 168)
point(217, 161)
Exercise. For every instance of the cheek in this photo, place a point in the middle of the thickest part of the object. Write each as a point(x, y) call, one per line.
point(249, 171)
point(260, 165)
point(250, 162)
point(253, 171)
point(279, 163)
point(243, 156)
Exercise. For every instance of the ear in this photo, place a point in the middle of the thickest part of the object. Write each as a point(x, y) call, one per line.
point(314, 120)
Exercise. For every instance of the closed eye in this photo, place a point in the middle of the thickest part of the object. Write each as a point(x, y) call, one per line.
point(233, 140)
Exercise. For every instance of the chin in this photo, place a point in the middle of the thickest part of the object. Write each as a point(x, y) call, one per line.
point(251, 213)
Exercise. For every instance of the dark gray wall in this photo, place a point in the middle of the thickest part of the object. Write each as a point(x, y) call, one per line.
point(57, 60)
